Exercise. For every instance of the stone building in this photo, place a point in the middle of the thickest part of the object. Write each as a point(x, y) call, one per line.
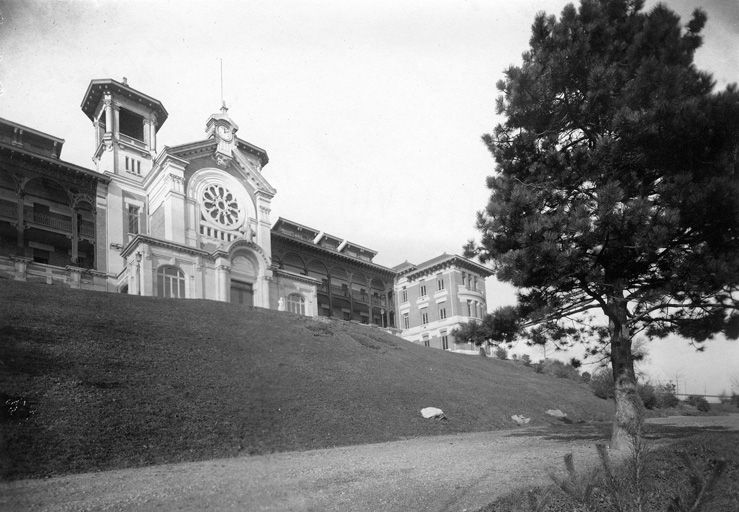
point(193, 221)
point(438, 295)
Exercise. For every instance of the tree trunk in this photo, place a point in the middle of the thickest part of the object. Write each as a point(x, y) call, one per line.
point(627, 422)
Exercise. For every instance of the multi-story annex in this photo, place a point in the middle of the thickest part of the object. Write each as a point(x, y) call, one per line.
point(193, 221)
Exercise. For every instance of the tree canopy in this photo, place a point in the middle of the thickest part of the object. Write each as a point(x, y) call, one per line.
point(616, 183)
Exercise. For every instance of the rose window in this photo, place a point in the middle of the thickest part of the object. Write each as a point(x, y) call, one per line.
point(221, 206)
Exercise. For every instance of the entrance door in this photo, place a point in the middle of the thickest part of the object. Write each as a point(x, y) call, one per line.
point(242, 293)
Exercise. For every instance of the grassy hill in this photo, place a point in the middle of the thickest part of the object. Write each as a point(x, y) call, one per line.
point(120, 381)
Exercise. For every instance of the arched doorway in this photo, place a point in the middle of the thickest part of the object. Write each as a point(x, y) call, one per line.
point(243, 275)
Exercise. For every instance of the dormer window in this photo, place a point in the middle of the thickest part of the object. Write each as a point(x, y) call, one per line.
point(131, 124)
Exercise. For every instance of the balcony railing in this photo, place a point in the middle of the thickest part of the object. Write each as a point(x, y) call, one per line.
point(132, 141)
point(50, 221)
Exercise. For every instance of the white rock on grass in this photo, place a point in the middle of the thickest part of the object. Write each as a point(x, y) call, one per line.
point(433, 412)
point(520, 419)
point(556, 413)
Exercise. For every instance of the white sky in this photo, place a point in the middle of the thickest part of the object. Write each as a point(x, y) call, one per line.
point(371, 111)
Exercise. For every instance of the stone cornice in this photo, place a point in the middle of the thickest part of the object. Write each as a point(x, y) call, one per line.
point(296, 277)
point(452, 261)
point(150, 240)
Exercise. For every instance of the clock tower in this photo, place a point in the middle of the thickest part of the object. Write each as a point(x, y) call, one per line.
point(223, 129)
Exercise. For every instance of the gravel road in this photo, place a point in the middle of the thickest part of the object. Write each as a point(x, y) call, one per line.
point(445, 473)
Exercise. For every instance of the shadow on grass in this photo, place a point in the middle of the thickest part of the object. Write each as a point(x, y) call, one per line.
point(601, 431)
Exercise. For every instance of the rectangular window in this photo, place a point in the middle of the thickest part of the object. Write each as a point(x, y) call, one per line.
point(406, 321)
point(425, 340)
point(138, 166)
point(403, 295)
point(469, 308)
point(474, 285)
point(440, 284)
point(133, 219)
point(424, 316)
point(464, 276)
point(131, 124)
point(442, 313)
point(444, 340)
point(127, 167)
point(422, 290)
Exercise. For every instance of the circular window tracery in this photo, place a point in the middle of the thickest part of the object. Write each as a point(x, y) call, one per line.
point(221, 206)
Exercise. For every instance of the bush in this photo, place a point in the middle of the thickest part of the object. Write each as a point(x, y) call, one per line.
point(501, 353)
point(601, 382)
point(557, 368)
point(526, 360)
point(585, 377)
point(648, 395)
point(699, 402)
point(666, 397)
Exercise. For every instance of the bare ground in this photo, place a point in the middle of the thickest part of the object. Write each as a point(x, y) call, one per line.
point(441, 473)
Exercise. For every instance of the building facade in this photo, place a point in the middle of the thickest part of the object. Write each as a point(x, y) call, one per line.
point(193, 221)
point(438, 295)
point(349, 285)
point(49, 230)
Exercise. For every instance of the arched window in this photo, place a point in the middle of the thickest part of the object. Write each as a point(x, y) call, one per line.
point(296, 303)
point(170, 282)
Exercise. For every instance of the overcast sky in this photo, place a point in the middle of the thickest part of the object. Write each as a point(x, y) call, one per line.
point(371, 111)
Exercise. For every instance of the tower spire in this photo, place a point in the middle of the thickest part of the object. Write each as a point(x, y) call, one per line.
point(224, 108)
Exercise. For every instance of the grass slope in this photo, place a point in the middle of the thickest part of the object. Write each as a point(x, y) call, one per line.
point(121, 381)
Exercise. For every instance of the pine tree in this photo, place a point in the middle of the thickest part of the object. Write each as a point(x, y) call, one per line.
point(616, 185)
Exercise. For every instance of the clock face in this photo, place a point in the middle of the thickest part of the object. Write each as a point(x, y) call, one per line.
point(225, 133)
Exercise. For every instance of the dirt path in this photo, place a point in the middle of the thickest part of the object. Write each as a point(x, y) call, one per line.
point(454, 473)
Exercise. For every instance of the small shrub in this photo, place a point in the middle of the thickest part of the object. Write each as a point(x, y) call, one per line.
point(734, 399)
point(501, 353)
point(666, 397)
point(539, 367)
point(601, 382)
point(526, 360)
point(585, 377)
point(699, 402)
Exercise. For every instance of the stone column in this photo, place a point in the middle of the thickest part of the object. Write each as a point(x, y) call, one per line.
point(108, 113)
point(153, 134)
point(146, 129)
point(96, 128)
point(222, 277)
point(116, 110)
